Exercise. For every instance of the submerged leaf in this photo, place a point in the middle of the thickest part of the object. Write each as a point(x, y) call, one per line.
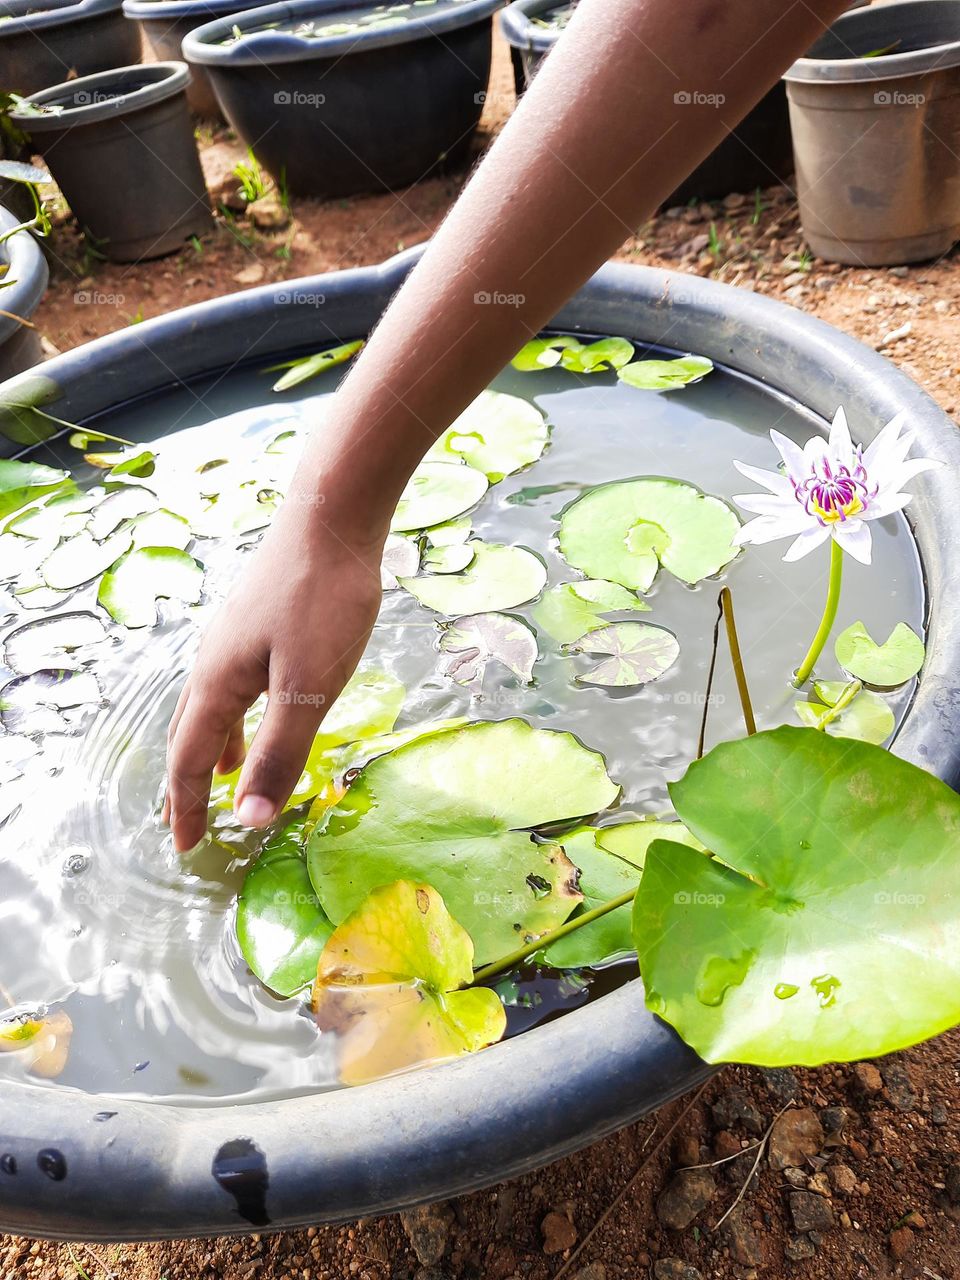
point(24, 482)
point(44, 1041)
point(568, 611)
point(867, 718)
point(281, 926)
point(665, 375)
point(387, 986)
point(310, 366)
point(624, 531)
point(498, 577)
point(498, 434)
point(453, 809)
point(401, 558)
point(436, 492)
point(832, 933)
point(894, 662)
point(130, 591)
point(639, 653)
point(471, 642)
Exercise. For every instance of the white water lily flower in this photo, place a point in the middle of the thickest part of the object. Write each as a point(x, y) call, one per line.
point(830, 489)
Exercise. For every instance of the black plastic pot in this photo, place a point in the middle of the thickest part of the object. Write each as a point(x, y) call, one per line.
point(164, 23)
point(43, 42)
point(757, 153)
point(151, 1170)
point(27, 273)
point(365, 111)
point(121, 146)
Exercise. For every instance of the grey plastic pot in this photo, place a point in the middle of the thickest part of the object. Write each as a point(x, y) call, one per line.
point(875, 138)
point(365, 111)
point(74, 1165)
point(757, 153)
point(164, 23)
point(43, 42)
point(27, 276)
point(121, 146)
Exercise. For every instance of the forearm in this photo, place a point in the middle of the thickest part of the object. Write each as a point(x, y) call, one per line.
point(598, 142)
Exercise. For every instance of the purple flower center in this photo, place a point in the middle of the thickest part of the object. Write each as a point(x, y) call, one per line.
point(835, 493)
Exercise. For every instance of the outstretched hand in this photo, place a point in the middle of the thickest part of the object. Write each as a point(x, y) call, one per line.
point(294, 627)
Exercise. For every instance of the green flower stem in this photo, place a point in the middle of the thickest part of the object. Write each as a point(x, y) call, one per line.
point(829, 615)
point(522, 953)
point(841, 704)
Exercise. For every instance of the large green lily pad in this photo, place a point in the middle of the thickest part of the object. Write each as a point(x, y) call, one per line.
point(569, 611)
point(498, 434)
point(665, 375)
point(497, 578)
point(833, 931)
point(387, 986)
point(452, 810)
point(436, 492)
point(624, 531)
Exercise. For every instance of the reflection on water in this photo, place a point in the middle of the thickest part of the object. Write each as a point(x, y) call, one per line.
point(97, 912)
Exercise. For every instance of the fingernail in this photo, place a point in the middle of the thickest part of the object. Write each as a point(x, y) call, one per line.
point(256, 811)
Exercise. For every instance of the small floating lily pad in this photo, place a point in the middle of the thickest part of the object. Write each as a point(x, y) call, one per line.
point(570, 610)
point(124, 504)
point(499, 577)
point(472, 642)
point(82, 558)
point(388, 986)
point(572, 354)
point(47, 642)
point(450, 532)
point(894, 662)
point(665, 375)
point(24, 482)
point(638, 653)
point(454, 557)
point(831, 933)
point(54, 517)
point(34, 703)
point(868, 718)
point(307, 367)
point(437, 492)
point(130, 591)
point(453, 810)
point(498, 434)
point(624, 531)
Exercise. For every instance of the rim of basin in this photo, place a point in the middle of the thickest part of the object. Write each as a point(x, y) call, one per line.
point(31, 15)
point(103, 96)
point(930, 32)
point(173, 9)
point(27, 272)
point(137, 1170)
point(256, 46)
point(520, 32)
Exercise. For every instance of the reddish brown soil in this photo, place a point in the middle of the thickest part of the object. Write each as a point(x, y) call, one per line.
point(887, 1162)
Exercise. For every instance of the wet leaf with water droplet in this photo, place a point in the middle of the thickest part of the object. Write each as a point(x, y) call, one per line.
point(387, 986)
point(452, 810)
point(835, 918)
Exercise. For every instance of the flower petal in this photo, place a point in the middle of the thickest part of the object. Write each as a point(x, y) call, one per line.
point(840, 444)
point(884, 440)
point(808, 541)
point(772, 480)
point(791, 453)
point(855, 538)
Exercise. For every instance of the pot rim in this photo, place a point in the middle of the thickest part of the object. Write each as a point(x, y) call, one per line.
point(174, 10)
point(265, 47)
point(163, 80)
point(146, 1170)
point(54, 16)
point(520, 32)
point(892, 66)
point(27, 268)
